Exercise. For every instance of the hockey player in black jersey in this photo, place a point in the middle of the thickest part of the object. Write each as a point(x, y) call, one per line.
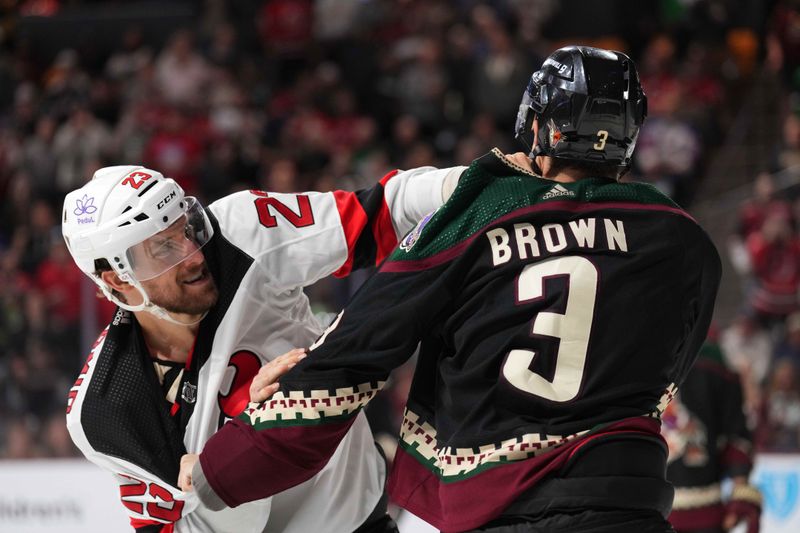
point(709, 442)
point(557, 312)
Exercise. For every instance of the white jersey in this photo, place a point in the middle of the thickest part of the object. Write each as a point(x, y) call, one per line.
point(266, 247)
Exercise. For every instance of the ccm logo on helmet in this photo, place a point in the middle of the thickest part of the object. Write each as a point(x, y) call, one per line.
point(166, 200)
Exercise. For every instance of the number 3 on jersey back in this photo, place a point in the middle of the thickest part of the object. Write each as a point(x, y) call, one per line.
point(572, 328)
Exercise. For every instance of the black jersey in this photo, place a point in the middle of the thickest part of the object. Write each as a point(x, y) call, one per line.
point(708, 439)
point(550, 315)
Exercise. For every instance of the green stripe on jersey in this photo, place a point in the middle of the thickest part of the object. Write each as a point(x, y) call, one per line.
point(490, 188)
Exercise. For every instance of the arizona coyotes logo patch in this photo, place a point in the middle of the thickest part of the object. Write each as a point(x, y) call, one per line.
point(554, 135)
point(411, 239)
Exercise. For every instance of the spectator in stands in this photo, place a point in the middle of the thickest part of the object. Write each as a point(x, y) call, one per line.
point(789, 346)
point(56, 439)
point(223, 51)
point(774, 253)
point(13, 325)
point(779, 425)
point(286, 27)
point(177, 148)
point(182, 74)
point(750, 218)
point(786, 40)
point(670, 147)
point(79, 145)
point(38, 156)
point(130, 58)
point(227, 106)
point(483, 128)
point(58, 283)
point(500, 73)
point(703, 81)
point(280, 176)
point(65, 84)
point(406, 132)
point(422, 80)
point(762, 202)
point(658, 70)
point(709, 442)
point(221, 168)
point(133, 130)
point(20, 441)
point(31, 242)
point(748, 350)
point(789, 153)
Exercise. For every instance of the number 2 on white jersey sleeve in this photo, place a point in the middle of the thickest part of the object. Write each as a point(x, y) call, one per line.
point(572, 328)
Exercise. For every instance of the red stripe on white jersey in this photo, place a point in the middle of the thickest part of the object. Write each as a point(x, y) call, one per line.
point(382, 228)
point(354, 219)
point(75, 389)
point(140, 523)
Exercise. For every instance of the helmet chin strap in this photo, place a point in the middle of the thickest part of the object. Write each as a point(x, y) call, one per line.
point(162, 313)
point(147, 305)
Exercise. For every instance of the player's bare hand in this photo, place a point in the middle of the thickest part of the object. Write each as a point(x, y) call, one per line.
point(520, 159)
point(185, 475)
point(265, 384)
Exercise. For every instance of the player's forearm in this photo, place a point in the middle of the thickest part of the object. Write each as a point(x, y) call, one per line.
point(241, 463)
point(414, 193)
point(205, 492)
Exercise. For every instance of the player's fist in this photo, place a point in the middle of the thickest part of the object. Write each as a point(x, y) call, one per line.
point(265, 384)
point(185, 475)
point(521, 160)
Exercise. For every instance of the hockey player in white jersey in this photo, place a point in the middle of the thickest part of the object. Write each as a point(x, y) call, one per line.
point(206, 296)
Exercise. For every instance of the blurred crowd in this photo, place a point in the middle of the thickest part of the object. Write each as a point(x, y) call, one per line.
point(292, 95)
point(762, 343)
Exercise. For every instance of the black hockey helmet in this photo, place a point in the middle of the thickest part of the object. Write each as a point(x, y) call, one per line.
point(590, 105)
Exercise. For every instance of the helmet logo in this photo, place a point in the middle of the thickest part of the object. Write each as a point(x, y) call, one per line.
point(561, 68)
point(189, 392)
point(85, 206)
point(554, 135)
point(133, 182)
point(166, 200)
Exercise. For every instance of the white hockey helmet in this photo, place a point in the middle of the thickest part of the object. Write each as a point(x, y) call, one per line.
point(114, 216)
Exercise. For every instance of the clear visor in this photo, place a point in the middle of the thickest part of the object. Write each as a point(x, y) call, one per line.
point(168, 248)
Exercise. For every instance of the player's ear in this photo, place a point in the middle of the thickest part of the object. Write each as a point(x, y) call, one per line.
point(112, 280)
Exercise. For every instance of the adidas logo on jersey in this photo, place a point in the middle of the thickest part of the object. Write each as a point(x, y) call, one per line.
point(557, 191)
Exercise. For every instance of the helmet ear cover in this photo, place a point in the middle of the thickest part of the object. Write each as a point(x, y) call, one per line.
point(534, 102)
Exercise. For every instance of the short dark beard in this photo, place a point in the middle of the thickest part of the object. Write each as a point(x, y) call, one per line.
point(182, 303)
point(191, 306)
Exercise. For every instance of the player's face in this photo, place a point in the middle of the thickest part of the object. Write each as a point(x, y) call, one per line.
point(187, 287)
